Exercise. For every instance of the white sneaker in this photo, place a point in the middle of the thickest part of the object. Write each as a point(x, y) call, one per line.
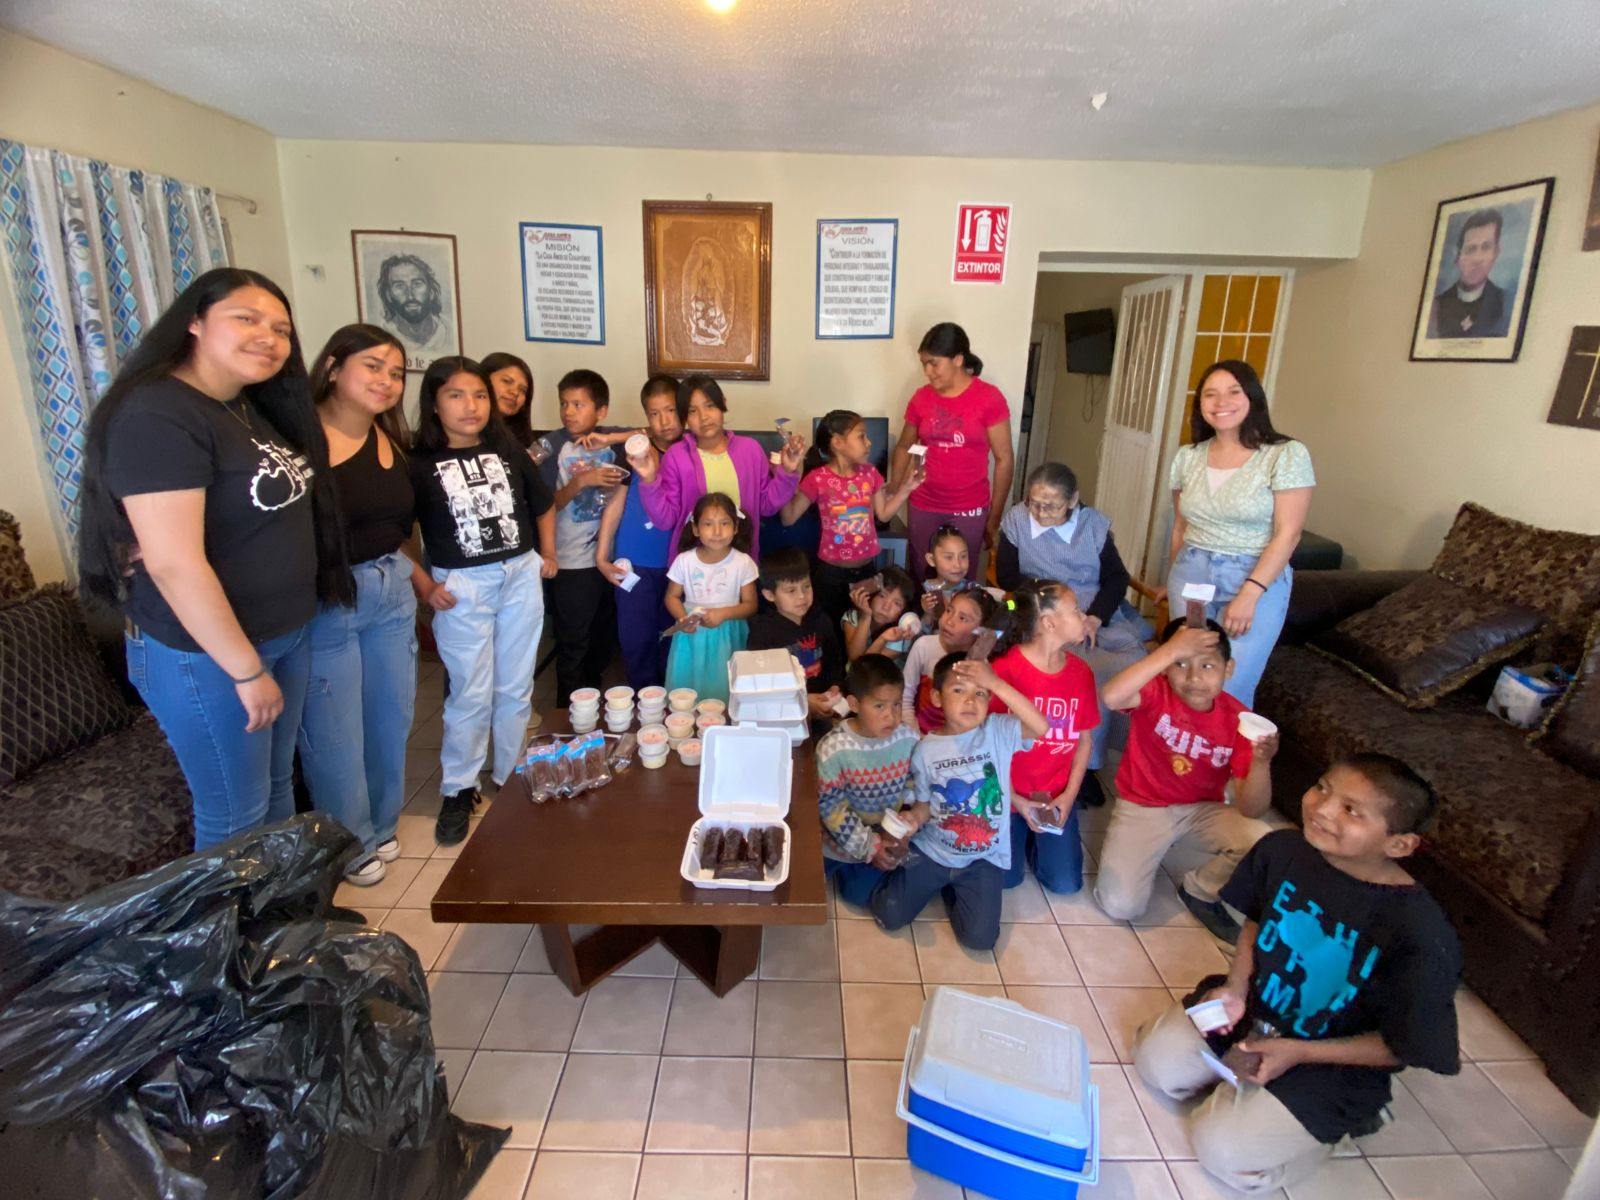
point(367, 873)
point(388, 851)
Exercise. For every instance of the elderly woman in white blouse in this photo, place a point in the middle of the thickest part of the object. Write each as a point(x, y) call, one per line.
point(1240, 494)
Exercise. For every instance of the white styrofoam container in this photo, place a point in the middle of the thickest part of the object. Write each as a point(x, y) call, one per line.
point(746, 775)
point(1004, 1065)
point(787, 705)
point(756, 671)
point(796, 731)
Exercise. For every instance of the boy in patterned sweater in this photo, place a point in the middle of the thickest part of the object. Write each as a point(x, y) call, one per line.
point(863, 770)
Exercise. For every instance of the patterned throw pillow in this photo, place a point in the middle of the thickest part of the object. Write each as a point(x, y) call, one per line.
point(54, 693)
point(1572, 731)
point(1551, 570)
point(1427, 639)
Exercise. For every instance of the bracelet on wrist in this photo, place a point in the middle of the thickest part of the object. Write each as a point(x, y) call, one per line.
point(1257, 582)
point(250, 678)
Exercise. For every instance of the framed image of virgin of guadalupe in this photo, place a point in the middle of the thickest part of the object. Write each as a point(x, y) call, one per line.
point(1480, 273)
point(708, 288)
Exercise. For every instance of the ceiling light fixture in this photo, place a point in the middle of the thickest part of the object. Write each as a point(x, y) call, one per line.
point(721, 6)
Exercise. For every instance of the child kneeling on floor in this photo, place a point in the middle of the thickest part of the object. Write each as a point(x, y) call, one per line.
point(1345, 972)
point(962, 771)
point(1185, 761)
point(863, 769)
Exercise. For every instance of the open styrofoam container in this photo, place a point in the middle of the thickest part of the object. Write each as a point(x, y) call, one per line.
point(746, 774)
point(796, 730)
point(752, 672)
point(788, 705)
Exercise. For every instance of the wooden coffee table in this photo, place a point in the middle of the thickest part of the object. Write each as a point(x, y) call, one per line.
point(611, 858)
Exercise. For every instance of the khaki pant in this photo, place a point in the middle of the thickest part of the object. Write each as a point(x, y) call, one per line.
point(1140, 836)
point(1244, 1136)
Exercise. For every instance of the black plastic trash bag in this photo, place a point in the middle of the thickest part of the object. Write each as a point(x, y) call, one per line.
point(214, 1029)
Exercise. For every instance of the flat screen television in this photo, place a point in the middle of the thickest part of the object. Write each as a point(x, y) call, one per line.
point(1091, 339)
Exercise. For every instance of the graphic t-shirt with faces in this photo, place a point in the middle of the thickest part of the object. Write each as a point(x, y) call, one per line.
point(1176, 755)
point(476, 506)
point(169, 437)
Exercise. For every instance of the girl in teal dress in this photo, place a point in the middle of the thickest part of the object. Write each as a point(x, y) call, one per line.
point(714, 579)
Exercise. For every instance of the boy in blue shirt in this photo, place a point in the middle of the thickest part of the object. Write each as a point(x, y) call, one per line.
point(962, 772)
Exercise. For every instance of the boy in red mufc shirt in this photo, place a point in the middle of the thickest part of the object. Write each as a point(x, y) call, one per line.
point(1045, 620)
point(1184, 755)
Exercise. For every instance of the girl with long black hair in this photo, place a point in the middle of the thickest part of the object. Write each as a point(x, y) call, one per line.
point(512, 380)
point(209, 517)
point(363, 681)
point(489, 527)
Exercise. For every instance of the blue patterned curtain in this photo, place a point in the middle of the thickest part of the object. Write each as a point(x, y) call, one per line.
point(97, 253)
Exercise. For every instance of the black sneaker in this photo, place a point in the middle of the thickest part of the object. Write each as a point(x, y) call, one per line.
point(1090, 793)
point(454, 814)
point(1214, 916)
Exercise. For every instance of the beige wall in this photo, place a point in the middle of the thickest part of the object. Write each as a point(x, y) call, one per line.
point(1071, 439)
point(1399, 445)
point(52, 99)
point(480, 193)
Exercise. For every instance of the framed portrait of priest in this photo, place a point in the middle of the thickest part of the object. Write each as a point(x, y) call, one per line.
point(1482, 264)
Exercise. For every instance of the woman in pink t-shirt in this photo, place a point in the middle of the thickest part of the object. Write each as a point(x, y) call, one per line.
point(961, 420)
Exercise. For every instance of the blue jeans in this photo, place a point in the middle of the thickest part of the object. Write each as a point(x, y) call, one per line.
point(972, 894)
point(856, 880)
point(1056, 858)
point(238, 780)
point(359, 701)
point(641, 616)
point(1227, 572)
point(489, 642)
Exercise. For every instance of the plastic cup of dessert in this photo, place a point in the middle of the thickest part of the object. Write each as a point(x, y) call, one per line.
point(653, 762)
point(619, 697)
point(584, 712)
point(636, 446)
point(654, 694)
point(1208, 1015)
point(910, 623)
point(1255, 727)
point(709, 705)
point(584, 698)
point(587, 726)
point(681, 699)
point(680, 726)
point(689, 752)
point(619, 721)
point(706, 720)
point(894, 824)
point(652, 739)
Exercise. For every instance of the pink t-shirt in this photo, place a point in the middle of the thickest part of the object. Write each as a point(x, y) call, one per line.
point(956, 432)
point(844, 506)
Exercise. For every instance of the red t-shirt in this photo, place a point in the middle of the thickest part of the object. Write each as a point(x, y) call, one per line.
point(844, 506)
point(956, 432)
point(1178, 756)
point(1068, 701)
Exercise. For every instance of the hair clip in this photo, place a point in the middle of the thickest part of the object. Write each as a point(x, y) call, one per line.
point(1011, 604)
point(740, 511)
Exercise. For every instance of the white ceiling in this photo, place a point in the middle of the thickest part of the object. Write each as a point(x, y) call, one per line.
point(1311, 82)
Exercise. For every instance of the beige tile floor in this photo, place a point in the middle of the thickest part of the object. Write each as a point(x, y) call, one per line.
point(650, 1088)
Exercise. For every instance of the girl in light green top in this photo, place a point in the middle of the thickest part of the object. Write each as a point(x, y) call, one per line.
point(1240, 494)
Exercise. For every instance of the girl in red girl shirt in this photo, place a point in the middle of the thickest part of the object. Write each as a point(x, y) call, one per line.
point(1044, 834)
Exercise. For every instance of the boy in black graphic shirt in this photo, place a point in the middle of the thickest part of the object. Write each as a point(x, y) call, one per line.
point(796, 624)
point(1345, 972)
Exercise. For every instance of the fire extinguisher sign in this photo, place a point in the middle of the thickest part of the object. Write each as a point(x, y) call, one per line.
point(982, 232)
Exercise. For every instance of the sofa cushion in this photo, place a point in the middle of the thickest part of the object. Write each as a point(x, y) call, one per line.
point(1510, 819)
point(16, 578)
point(54, 693)
point(110, 810)
point(1571, 732)
point(1552, 570)
point(1427, 639)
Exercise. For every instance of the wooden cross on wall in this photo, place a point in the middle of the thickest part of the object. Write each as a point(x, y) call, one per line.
point(1577, 399)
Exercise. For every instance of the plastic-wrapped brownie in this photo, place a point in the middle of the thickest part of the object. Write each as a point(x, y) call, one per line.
point(710, 848)
point(772, 848)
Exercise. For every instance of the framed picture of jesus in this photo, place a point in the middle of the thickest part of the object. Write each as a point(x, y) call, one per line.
point(708, 288)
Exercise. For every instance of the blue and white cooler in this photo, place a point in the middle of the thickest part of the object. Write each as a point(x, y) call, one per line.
point(997, 1098)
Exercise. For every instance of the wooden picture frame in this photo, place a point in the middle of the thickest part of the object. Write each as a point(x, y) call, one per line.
point(708, 288)
point(1482, 318)
point(428, 319)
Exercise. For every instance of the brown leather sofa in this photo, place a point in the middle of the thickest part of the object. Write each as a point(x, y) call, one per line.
point(1515, 855)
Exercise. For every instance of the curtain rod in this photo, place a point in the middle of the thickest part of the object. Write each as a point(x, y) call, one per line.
point(250, 206)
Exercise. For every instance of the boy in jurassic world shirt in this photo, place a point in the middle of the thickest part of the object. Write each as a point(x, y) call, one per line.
point(1185, 760)
point(1345, 971)
point(962, 773)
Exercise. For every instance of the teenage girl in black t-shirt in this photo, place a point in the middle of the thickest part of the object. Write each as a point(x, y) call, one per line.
point(364, 657)
point(208, 517)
